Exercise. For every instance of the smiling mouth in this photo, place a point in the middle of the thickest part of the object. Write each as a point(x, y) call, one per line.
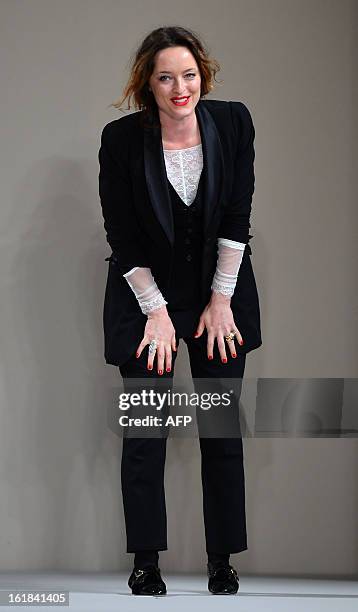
point(182, 101)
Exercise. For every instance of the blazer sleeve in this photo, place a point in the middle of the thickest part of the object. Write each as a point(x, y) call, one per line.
point(115, 190)
point(235, 223)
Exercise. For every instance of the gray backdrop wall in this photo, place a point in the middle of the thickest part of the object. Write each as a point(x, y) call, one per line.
point(293, 62)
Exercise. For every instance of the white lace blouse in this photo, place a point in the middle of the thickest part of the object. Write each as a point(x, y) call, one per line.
point(183, 168)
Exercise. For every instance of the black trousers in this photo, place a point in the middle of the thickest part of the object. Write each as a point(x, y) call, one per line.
point(222, 467)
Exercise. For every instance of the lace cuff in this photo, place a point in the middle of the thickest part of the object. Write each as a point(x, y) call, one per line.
point(230, 254)
point(145, 289)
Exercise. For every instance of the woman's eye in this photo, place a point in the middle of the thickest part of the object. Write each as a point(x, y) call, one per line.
point(165, 76)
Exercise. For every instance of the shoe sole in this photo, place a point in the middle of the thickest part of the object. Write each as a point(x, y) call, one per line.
point(223, 593)
point(149, 594)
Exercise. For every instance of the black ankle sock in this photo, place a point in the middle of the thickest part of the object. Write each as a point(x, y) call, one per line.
point(219, 558)
point(143, 558)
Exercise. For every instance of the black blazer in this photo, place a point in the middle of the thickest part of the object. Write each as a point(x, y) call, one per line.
point(137, 213)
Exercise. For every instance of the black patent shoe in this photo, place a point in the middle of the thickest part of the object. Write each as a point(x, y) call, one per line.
point(147, 581)
point(223, 579)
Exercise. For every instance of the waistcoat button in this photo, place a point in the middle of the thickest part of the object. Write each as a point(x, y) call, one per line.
point(188, 258)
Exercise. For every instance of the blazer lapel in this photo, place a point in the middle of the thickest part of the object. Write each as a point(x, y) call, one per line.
point(213, 163)
point(156, 176)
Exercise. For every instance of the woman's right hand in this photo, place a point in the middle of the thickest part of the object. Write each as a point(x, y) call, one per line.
point(159, 327)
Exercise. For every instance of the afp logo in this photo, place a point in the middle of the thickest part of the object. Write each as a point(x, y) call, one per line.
point(179, 419)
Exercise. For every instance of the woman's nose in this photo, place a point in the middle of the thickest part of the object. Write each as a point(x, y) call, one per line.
point(178, 88)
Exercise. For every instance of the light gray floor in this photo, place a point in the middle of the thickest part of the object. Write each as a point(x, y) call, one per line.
point(96, 592)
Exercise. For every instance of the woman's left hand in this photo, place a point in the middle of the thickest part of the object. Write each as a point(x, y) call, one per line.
point(218, 320)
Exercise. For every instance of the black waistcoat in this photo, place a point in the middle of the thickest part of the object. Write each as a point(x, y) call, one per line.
point(183, 296)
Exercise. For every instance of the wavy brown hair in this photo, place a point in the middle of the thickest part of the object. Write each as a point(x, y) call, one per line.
point(143, 65)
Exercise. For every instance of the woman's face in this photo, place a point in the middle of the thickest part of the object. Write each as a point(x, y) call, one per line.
point(175, 75)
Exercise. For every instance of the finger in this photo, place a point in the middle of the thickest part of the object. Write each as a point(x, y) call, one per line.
point(160, 358)
point(230, 344)
point(222, 347)
point(174, 343)
point(150, 362)
point(141, 346)
point(168, 358)
point(210, 345)
point(200, 328)
point(238, 336)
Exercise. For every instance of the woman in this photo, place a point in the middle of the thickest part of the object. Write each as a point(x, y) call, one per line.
point(176, 184)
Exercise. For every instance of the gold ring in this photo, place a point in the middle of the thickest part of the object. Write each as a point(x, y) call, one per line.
point(230, 337)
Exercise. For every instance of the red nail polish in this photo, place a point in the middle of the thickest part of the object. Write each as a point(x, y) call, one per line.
point(241, 343)
point(160, 372)
point(210, 357)
point(137, 355)
point(196, 335)
point(150, 367)
point(168, 370)
point(224, 360)
point(234, 355)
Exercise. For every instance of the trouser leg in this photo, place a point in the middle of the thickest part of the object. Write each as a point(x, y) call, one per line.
point(223, 482)
point(142, 475)
point(222, 464)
